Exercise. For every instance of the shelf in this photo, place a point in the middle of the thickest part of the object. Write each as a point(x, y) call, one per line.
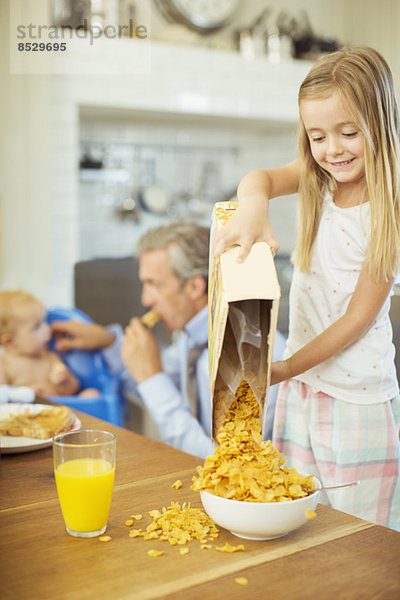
point(187, 81)
point(107, 176)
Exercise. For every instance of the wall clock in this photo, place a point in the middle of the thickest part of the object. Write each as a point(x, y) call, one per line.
point(203, 16)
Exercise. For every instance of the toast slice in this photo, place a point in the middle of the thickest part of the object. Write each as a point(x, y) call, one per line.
point(150, 318)
point(42, 425)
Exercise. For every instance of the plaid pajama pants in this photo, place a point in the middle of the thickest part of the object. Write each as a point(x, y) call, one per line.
point(338, 441)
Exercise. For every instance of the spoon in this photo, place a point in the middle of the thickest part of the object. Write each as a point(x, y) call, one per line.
point(334, 487)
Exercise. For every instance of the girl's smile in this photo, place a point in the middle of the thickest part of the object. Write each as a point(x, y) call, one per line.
point(336, 141)
point(343, 163)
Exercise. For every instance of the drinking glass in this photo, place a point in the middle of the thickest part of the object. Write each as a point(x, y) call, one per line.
point(84, 468)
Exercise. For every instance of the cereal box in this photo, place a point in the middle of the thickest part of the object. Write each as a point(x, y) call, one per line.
point(243, 313)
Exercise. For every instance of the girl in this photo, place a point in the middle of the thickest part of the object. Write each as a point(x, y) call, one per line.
point(339, 407)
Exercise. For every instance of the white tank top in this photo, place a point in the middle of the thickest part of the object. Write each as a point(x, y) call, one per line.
point(364, 372)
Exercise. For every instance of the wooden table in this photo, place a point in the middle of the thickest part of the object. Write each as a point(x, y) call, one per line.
point(332, 556)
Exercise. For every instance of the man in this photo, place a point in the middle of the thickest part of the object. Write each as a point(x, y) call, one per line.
point(173, 268)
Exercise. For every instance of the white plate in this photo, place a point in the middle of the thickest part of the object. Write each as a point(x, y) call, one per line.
point(11, 444)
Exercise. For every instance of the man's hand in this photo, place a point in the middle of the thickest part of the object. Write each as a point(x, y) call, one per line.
point(75, 335)
point(140, 351)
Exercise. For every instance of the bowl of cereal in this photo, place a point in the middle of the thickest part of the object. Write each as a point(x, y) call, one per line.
point(260, 520)
point(245, 485)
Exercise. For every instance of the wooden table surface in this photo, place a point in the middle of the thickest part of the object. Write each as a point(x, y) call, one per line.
point(332, 556)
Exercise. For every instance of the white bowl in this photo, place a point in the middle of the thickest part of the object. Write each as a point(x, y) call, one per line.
point(259, 520)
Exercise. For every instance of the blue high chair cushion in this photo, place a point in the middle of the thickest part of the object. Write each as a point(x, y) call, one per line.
point(87, 366)
point(90, 368)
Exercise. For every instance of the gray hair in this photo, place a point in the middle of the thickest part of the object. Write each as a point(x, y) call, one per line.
point(187, 245)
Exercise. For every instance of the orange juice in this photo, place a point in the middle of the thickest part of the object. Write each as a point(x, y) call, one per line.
point(85, 488)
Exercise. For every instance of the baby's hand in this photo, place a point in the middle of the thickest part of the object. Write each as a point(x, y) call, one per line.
point(39, 390)
point(58, 373)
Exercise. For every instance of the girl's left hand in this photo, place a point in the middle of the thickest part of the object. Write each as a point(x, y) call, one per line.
point(279, 372)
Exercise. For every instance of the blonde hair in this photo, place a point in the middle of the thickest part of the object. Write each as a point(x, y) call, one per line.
point(363, 80)
point(10, 300)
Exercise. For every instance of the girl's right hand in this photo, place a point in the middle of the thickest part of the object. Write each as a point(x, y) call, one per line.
point(248, 224)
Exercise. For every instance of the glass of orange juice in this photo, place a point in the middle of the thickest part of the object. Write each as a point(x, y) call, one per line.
point(84, 468)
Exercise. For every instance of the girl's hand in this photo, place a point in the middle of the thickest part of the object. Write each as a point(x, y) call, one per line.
point(248, 224)
point(280, 371)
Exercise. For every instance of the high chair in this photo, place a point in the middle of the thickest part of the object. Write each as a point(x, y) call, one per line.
point(90, 368)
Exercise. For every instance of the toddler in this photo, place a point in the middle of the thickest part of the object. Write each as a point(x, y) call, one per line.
point(26, 359)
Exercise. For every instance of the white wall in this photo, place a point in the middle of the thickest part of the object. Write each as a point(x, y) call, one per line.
point(376, 23)
point(182, 149)
point(25, 202)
